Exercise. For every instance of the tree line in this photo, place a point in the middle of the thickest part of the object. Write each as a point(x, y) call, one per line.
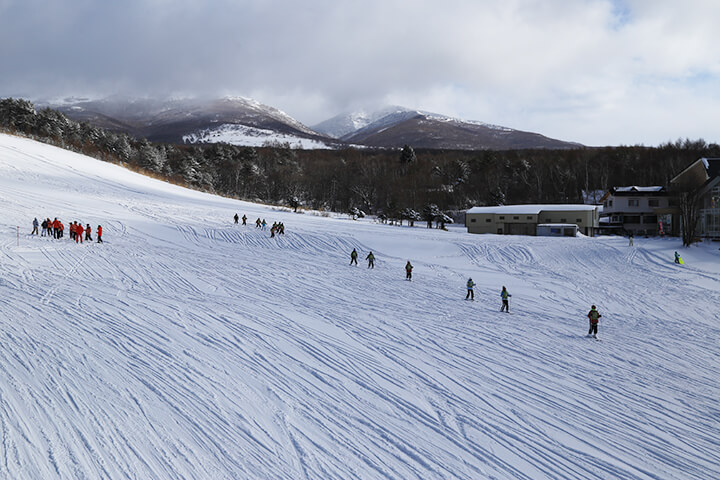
point(394, 184)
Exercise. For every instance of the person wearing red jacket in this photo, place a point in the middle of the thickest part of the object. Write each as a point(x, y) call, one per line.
point(99, 234)
point(56, 228)
point(88, 231)
point(72, 228)
point(61, 229)
point(78, 233)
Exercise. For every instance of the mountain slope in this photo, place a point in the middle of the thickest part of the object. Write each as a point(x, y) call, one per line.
point(433, 131)
point(189, 347)
point(174, 120)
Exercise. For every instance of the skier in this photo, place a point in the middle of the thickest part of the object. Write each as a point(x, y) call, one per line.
point(44, 227)
point(353, 257)
point(236, 218)
point(88, 232)
point(35, 227)
point(257, 223)
point(470, 292)
point(264, 224)
point(678, 259)
point(99, 234)
point(244, 219)
point(78, 233)
point(272, 231)
point(593, 315)
point(631, 239)
point(408, 271)
point(71, 229)
point(371, 260)
point(505, 295)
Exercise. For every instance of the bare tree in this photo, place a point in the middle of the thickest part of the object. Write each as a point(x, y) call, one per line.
point(689, 214)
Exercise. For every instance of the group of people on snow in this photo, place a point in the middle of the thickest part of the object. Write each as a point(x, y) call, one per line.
point(277, 227)
point(56, 229)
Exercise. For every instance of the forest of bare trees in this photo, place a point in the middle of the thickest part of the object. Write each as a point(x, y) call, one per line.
point(391, 183)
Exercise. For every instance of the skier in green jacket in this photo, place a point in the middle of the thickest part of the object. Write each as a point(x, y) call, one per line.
point(470, 292)
point(505, 295)
point(371, 260)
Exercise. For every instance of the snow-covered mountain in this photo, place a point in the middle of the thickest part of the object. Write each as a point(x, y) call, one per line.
point(393, 127)
point(186, 346)
point(177, 119)
point(346, 124)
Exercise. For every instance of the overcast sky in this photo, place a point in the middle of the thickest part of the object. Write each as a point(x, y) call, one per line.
point(599, 72)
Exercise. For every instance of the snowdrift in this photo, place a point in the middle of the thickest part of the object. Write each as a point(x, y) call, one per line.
point(186, 346)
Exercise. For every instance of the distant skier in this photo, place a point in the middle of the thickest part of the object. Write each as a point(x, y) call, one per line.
point(594, 316)
point(353, 257)
point(78, 233)
point(45, 227)
point(371, 260)
point(631, 239)
point(99, 234)
point(35, 227)
point(408, 271)
point(244, 219)
point(236, 218)
point(258, 224)
point(505, 295)
point(88, 233)
point(678, 259)
point(470, 292)
point(264, 224)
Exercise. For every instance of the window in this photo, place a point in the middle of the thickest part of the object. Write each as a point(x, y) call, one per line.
point(609, 203)
point(555, 231)
point(529, 217)
point(488, 220)
point(516, 217)
point(631, 219)
point(547, 220)
point(633, 202)
point(563, 220)
point(502, 217)
point(653, 202)
point(648, 219)
point(578, 220)
point(473, 220)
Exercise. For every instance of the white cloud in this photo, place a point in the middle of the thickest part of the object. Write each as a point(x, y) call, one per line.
point(594, 71)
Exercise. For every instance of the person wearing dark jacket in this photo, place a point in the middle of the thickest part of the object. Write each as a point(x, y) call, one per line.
point(408, 271)
point(353, 257)
point(371, 260)
point(594, 317)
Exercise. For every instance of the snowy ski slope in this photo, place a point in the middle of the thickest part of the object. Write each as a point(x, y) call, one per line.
point(186, 347)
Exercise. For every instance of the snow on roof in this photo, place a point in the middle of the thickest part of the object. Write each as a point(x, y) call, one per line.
point(634, 188)
point(532, 209)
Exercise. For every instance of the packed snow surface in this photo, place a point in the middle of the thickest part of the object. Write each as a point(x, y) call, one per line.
point(188, 347)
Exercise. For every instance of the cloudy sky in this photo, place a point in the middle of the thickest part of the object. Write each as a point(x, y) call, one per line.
point(599, 72)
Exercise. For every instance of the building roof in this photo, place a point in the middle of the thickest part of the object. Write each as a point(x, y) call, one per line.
point(637, 189)
point(532, 209)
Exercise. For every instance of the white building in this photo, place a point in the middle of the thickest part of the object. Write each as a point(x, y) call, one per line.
point(524, 219)
point(639, 210)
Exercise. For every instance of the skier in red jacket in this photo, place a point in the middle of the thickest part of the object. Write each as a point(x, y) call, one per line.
point(78, 233)
point(99, 234)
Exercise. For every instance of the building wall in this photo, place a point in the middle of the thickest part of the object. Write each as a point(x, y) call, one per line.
point(526, 224)
point(637, 212)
